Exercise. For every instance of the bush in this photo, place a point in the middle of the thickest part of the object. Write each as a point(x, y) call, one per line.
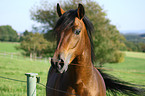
point(118, 57)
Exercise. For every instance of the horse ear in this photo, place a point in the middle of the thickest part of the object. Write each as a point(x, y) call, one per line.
point(60, 11)
point(80, 11)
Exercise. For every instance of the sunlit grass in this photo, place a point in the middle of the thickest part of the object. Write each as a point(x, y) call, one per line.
point(8, 47)
point(15, 69)
point(135, 54)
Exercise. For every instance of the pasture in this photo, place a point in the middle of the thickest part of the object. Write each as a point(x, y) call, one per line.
point(131, 70)
point(8, 47)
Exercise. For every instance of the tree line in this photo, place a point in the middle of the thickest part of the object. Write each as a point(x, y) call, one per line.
point(7, 33)
point(134, 42)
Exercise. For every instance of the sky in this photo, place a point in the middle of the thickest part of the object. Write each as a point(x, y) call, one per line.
point(125, 14)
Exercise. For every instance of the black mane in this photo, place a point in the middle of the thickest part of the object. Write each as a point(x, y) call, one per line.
point(66, 21)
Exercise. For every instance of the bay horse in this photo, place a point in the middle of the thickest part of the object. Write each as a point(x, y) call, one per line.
point(72, 71)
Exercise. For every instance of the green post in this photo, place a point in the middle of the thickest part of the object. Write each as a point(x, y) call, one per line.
point(31, 84)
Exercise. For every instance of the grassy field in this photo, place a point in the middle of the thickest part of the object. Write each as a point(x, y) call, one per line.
point(135, 54)
point(15, 69)
point(8, 47)
point(131, 70)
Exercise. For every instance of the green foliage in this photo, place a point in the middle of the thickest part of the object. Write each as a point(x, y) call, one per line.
point(106, 36)
point(131, 46)
point(7, 33)
point(134, 42)
point(46, 16)
point(118, 57)
point(26, 32)
point(135, 38)
point(143, 47)
point(34, 44)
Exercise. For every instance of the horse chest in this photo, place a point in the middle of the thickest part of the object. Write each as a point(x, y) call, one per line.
point(81, 89)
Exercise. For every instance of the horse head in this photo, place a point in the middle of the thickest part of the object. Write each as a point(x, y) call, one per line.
point(70, 30)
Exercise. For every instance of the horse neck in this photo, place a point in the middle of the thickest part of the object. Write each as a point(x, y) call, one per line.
point(83, 67)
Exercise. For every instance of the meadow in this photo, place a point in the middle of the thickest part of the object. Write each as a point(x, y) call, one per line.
point(8, 47)
point(131, 70)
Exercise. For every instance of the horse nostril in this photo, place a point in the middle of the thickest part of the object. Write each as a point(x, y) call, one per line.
point(52, 63)
point(61, 63)
point(62, 60)
point(60, 66)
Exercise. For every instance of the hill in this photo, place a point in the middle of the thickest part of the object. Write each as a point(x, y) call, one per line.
point(142, 35)
point(136, 38)
point(137, 32)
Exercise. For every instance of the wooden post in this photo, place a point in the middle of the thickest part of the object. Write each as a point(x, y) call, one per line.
point(31, 84)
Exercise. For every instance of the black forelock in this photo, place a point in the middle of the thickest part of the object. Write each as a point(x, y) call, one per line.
point(66, 21)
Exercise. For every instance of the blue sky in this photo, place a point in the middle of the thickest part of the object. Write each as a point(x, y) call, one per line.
point(125, 14)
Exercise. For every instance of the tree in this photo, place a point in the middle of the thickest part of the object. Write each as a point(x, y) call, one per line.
point(143, 47)
point(25, 33)
point(7, 33)
point(134, 42)
point(106, 36)
point(33, 44)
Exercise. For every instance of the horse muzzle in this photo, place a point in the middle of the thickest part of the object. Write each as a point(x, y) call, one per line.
point(59, 65)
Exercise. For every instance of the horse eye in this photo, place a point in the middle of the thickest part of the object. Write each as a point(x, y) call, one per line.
point(77, 32)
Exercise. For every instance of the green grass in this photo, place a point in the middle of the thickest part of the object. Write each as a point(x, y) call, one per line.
point(15, 69)
point(8, 47)
point(131, 70)
point(135, 54)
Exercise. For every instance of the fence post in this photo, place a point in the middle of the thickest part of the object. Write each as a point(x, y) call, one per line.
point(31, 84)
